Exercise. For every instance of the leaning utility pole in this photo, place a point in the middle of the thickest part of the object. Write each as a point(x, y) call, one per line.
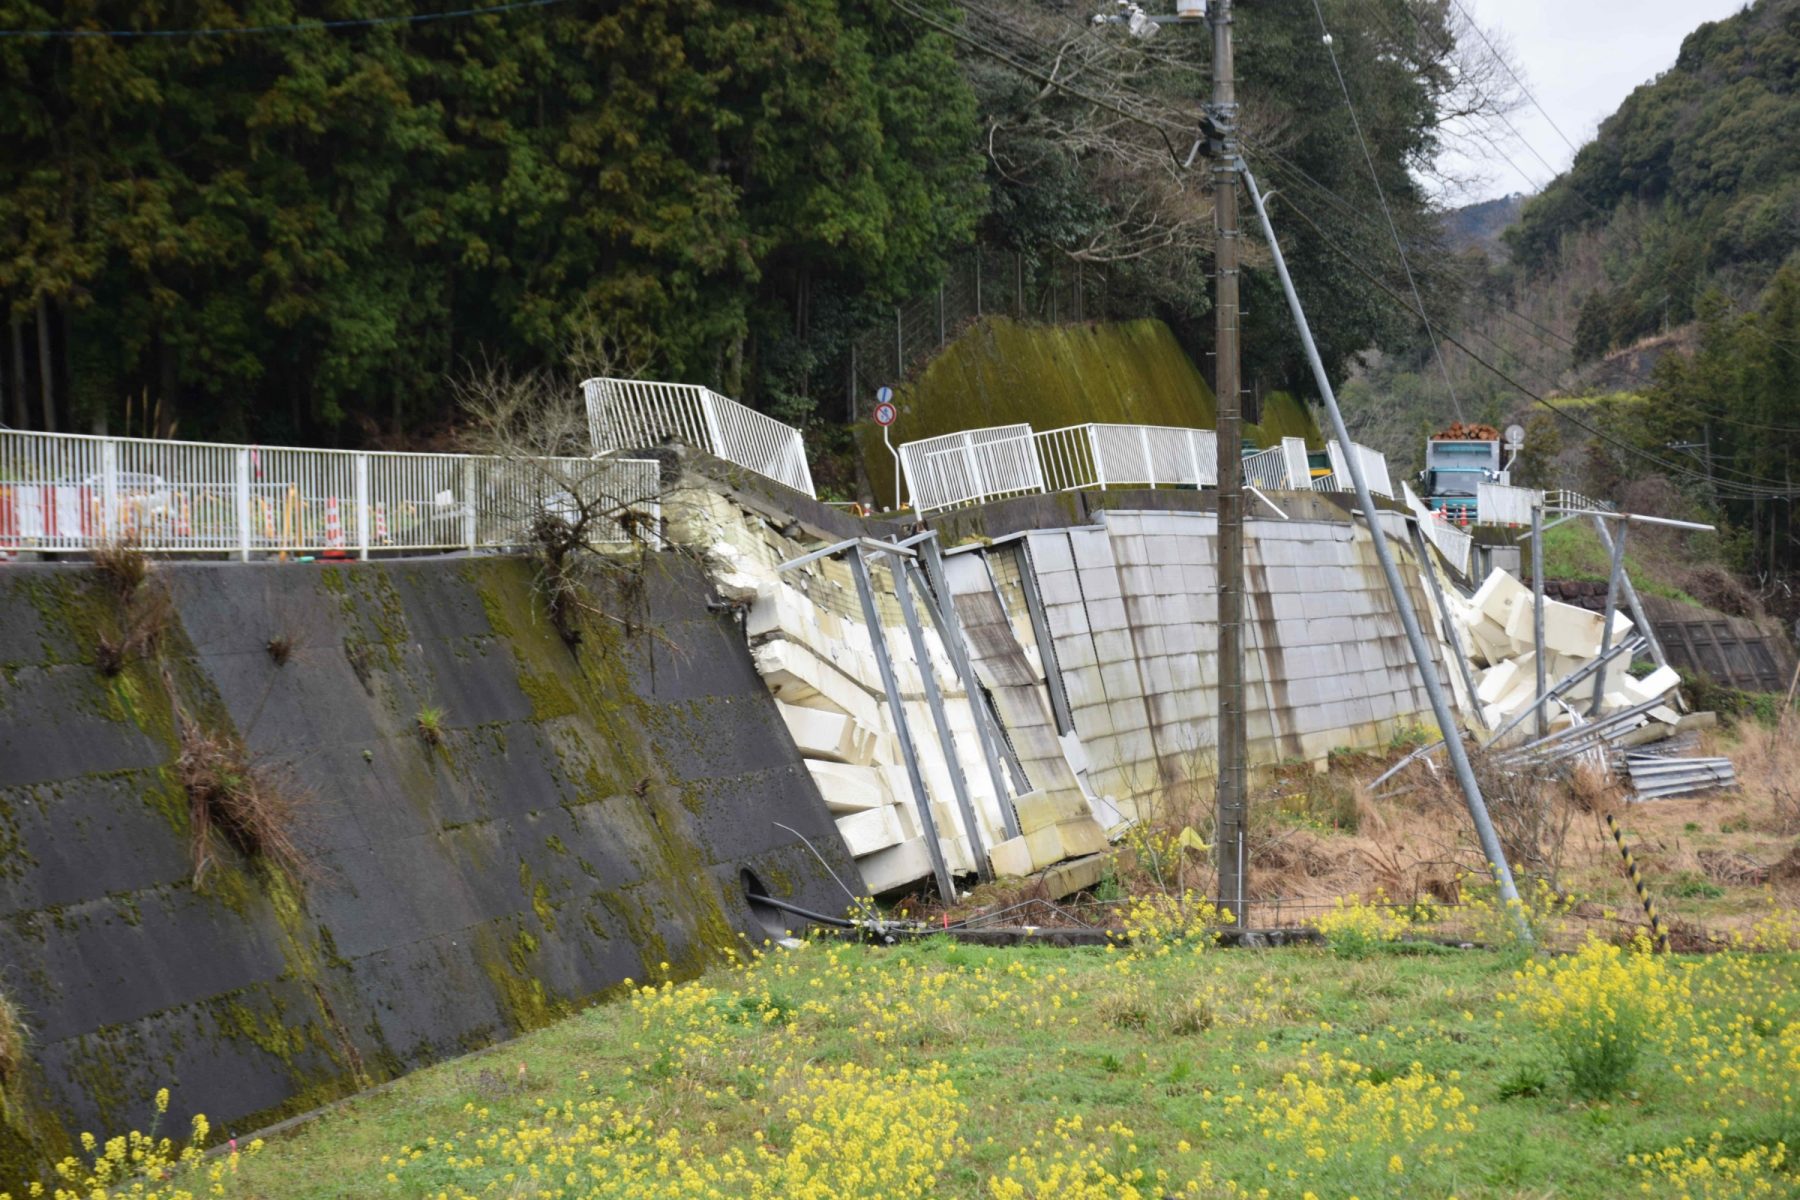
point(1233, 808)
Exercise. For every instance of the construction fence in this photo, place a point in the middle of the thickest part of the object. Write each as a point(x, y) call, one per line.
point(74, 492)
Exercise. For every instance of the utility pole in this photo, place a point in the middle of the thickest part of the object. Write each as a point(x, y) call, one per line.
point(1233, 807)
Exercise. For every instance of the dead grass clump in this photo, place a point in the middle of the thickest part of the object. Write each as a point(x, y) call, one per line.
point(13, 1040)
point(1192, 1014)
point(248, 810)
point(1123, 1009)
point(1532, 814)
point(281, 649)
point(124, 566)
point(144, 607)
point(1768, 769)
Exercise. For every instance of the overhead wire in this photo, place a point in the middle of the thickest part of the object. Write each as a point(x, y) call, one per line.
point(1295, 174)
point(960, 35)
point(1721, 480)
point(1388, 212)
point(1507, 67)
point(1725, 482)
point(1667, 272)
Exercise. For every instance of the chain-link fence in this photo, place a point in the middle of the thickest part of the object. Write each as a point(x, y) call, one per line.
point(980, 282)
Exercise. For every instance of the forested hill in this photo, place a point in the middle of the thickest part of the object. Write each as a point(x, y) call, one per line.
point(1693, 182)
point(297, 230)
point(294, 231)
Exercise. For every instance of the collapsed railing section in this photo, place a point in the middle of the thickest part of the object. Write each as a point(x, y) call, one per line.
point(73, 492)
point(1010, 460)
point(1500, 504)
point(632, 414)
point(979, 465)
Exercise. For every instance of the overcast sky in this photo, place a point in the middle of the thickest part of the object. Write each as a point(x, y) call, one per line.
point(1580, 58)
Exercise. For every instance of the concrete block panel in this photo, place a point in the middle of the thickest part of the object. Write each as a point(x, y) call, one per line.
point(1050, 553)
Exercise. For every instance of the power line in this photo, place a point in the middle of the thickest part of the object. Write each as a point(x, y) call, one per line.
point(1381, 195)
point(1543, 334)
point(1745, 490)
point(1507, 67)
point(1030, 72)
point(294, 27)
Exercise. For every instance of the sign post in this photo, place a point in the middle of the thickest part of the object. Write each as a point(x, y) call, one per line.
point(885, 412)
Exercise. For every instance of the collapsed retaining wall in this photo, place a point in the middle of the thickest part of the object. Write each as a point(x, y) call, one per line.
point(584, 819)
point(1091, 620)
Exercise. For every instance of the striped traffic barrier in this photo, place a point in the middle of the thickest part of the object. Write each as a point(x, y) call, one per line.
point(334, 529)
point(1660, 934)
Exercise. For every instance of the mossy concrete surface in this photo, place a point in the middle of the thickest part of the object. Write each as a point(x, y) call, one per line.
point(583, 819)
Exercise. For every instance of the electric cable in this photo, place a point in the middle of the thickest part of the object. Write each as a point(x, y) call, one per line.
point(1507, 67)
point(1740, 490)
point(1381, 195)
point(1544, 334)
point(951, 31)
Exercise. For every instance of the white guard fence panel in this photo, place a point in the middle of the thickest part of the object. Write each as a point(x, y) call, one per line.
point(1008, 460)
point(1156, 455)
point(1498, 504)
point(633, 414)
point(1266, 470)
point(970, 467)
point(1373, 464)
point(76, 492)
point(1068, 459)
point(1453, 543)
point(1299, 467)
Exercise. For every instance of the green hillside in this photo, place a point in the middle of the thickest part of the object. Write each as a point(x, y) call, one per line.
point(1694, 180)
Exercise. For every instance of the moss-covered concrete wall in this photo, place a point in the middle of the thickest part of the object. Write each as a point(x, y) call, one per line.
point(1003, 372)
point(583, 819)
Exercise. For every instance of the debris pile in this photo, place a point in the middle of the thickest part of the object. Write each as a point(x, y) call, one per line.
point(1500, 621)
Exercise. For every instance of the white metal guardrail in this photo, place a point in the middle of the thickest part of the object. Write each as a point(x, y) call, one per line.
point(633, 414)
point(1498, 504)
point(1454, 544)
point(70, 492)
point(1010, 460)
point(1267, 469)
point(1563, 500)
point(1374, 468)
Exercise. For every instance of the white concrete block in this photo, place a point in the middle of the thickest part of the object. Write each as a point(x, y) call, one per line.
point(1658, 683)
point(1498, 680)
point(847, 788)
point(870, 830)
point(798, 676)
point(1036, 810)
point(1496, 595)
point(1011, 857)
point(895, 867)
point(820, 733)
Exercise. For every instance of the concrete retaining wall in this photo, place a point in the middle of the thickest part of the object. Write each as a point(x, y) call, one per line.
point(584, 820)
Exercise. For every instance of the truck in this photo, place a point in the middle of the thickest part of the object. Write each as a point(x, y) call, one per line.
point(1457, 461)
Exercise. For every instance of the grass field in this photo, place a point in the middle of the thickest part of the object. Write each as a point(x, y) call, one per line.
point(1383, 1064)
point(1172, 1067)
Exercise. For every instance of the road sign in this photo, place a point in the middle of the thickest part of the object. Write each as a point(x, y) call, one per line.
point(883, 395)
point(885, 412)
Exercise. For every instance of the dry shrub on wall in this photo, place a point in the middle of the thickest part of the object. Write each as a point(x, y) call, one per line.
point(248, 806)
point(144, 608)
point(13, 1039)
